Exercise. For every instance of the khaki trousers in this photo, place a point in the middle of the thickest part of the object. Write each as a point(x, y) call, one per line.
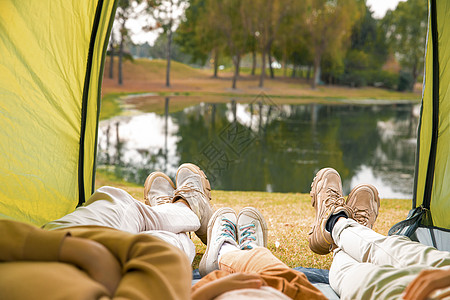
point(272, 271)
point(29, 268)
point(368, 265)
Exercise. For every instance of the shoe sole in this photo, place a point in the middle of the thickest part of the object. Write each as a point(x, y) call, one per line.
point(261, 220)
point(205, 182)
point(217, 213)
point(316, 204)
point(151, 178)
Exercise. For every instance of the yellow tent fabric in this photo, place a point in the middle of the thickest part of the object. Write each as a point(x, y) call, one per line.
point(433, 168)
point(51, 65)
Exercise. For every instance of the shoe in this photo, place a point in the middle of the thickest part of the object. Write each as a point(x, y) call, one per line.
point(327, 199)
point(158, 189)
point(221, 229)
point(252, 229)
point(194, 187)
point(365, 203)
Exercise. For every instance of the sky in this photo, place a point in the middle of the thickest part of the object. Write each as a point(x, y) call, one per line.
point(378, 7)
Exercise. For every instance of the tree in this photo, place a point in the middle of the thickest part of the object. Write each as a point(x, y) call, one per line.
point(167, 14)
point(227, 18)
point(366, 55)
point(126, 9)
point(111, 55)
point(198, 36)
point(292, 37)
point(262, 20)
point(329, 23)
point(406, 29)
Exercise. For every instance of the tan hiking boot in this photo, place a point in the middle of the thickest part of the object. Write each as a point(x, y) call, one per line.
point(158, 189)
point(251, 228)
point(327, 199)
point(194, 187)
point(365, 203)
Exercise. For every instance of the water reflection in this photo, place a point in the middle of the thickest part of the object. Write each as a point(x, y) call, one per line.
point(263, 147)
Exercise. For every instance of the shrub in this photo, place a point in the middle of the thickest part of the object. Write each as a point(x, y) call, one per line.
point(405, 81)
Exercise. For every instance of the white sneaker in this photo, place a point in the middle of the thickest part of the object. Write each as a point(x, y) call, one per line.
point(194, 187)
point(221, 229)
point(252, 229)
point(158, 189)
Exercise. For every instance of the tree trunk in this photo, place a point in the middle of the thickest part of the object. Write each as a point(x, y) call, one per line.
point(272, 75)
point(316, 78)
point(284, 63)
point(169, 48)
point(414, 76)
point(308, 73)
point(111, 57)
point(263, 68)
point(253, 61)
point(294, 69)
point(237, 62)
point(216, 63)
point(120, 58)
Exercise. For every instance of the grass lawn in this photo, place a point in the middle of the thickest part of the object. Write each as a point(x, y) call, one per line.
point(288, 215)
point(143, 75)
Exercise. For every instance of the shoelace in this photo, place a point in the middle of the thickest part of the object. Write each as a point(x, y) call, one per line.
point(163, 199)
point(361, 216)
point(228, 229)
point(247, 234)
point(187, 188)
point(334, 198)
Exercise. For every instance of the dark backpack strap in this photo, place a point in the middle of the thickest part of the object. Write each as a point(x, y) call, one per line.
point(408, 227)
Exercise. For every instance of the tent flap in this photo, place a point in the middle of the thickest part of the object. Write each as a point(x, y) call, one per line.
point(50, 78)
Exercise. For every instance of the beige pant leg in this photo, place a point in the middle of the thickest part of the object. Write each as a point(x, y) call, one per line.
point(354, 280)
point(368, 265)
point(115, 208)
point(365, 245)
point(179, 240)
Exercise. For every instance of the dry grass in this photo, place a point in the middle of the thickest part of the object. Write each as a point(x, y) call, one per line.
point(144, 75)
point(288, 217)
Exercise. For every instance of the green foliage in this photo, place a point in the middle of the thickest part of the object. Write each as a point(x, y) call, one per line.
point(365, 57)
point(405, 81)
point(110, 106)
point(159, 50)
point(405, 29)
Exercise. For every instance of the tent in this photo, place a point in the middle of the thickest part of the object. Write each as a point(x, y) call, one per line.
point(51, 65)
point(431, 195)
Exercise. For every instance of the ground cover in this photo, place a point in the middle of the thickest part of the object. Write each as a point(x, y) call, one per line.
point(288, 216)
point(144, 75)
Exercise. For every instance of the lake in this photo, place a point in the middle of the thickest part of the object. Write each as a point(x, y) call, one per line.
point(262, 146)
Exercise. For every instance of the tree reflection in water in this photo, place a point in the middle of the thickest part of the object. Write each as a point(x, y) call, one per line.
point(261, 147)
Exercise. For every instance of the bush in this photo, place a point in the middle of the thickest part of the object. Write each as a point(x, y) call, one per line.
point(354, 79)
point(377, 78)
point(384, 79)
point(405, 81)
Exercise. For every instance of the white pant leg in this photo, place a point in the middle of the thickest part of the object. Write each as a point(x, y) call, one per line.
point(112, 207)
point(179, 240)
point(365, 245)
point(351, 279)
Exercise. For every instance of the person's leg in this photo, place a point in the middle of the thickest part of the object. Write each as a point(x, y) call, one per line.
point(250, 256)
point(115, 208)
point(179, 240)
point(351, 279)
point(365, 245)
point(151, 267)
